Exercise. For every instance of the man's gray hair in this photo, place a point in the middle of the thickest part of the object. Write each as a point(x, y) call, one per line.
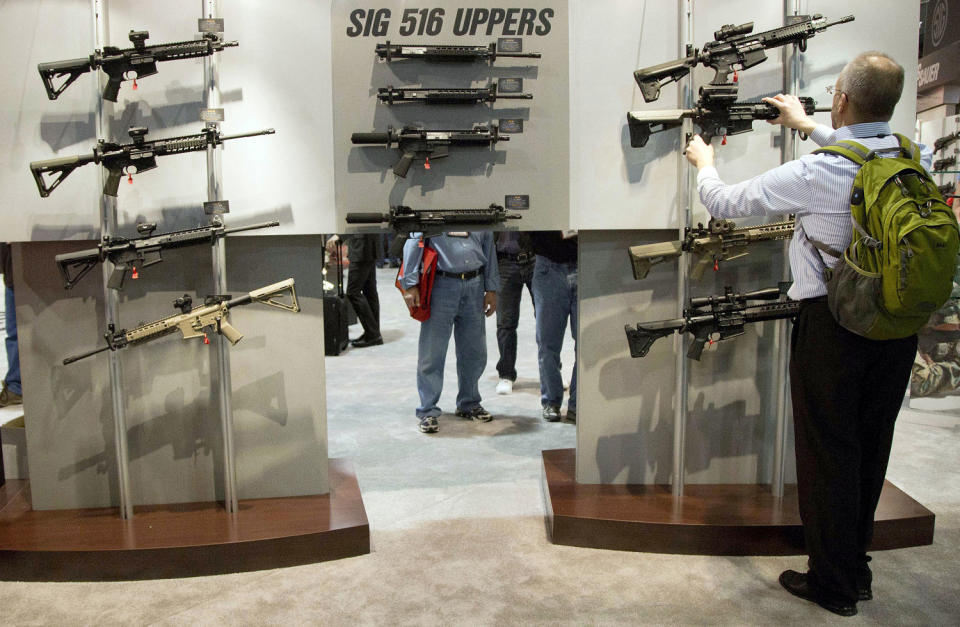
point(873, 83)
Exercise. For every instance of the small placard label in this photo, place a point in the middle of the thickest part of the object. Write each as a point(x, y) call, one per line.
point(517, 201)
point(216, 207)
point(509, 44)
point(511, 126)
point(210, 25)
point(510, 85)
point(211, 115)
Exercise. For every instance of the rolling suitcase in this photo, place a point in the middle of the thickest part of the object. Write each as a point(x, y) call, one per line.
point(336, 333)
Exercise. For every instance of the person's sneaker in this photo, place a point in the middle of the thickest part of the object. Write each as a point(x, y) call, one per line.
point(551, 413)
point(429, 424)
point(9, 397)
point(572, 415)
point(478, 414)
point(505, 386)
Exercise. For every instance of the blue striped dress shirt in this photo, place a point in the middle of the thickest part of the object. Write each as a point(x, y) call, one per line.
point(454, 254)
point(814, 187)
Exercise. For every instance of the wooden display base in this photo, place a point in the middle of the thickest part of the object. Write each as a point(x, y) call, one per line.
point(707, 520)
point(183, 540)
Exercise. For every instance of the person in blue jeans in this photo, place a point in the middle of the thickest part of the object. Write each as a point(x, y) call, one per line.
point(555, 295)
point(464, 291)
point(515, 259)
point(12, 392)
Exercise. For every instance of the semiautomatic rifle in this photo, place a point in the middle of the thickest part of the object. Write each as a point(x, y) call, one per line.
point(942, 164)
point(137, 156)
point(127, 255)
point(445, 96)
point(128, 63)
point(945, 141)
point(714, 318)
point(192, 322)
point(711, 244)
point(419, 143)
point(735, 48)
point(450, 54)
point(432, 222)
point(716, 116)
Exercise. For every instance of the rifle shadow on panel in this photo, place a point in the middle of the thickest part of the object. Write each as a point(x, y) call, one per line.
point(182, 107)
point(59, 130)
point(444, 117)
point(724, 432)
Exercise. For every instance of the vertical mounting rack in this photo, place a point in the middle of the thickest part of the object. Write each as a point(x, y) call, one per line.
point(685, 187)
point(788, 152)
point(219, 350)
point(108, 227)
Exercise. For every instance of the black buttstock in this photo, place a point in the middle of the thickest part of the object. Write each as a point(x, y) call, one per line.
point(640, 338)
point(72, 69)
point(74, 266)
point(652, 78)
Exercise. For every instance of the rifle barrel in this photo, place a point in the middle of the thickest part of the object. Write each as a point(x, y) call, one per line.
point(266, 131)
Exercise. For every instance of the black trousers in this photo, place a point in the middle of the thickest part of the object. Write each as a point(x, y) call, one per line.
point(847, 391)
point(362, 293)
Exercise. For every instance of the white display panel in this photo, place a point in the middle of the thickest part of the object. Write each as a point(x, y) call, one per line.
point(277, 77)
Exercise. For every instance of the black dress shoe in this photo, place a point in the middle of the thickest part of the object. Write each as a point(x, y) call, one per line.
point(362, 342)
point(798, 585)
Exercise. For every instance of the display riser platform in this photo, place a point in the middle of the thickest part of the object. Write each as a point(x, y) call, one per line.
point(706, 520)
point(181, 540)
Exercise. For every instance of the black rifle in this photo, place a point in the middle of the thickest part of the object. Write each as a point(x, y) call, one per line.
point(713, 115)
point(714, 317)
point(942, 164)
point(432, 222)
point(129, 63)
point(129, 254)
point(947, 190)
point(945, 141)
point(133, 158)
point(454, 54)
point(735, 48)
point(419, 143)
point(191, 321)
point(472, 95)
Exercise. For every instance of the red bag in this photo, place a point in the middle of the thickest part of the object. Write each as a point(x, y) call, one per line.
point(428, 273)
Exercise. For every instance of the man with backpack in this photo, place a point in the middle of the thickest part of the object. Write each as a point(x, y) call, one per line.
point(850, 357)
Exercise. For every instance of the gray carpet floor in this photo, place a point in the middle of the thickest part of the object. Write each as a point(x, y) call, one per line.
point(458, 535)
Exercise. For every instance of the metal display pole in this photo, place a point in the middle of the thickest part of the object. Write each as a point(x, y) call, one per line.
point(686, 192)
point(788, 152)
point(108, 227)
point(220, 353)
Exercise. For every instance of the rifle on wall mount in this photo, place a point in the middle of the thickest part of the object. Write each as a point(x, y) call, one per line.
point(128, 159)
point(445, 96)
point(945, 141)
point(448, 54)
point(128, 63)
point(716, 116)
point(419, 143)
point(128, 254)
point(720, 240)
point(714, 318)
point(735, 48)
point(192, 322)
point(432, 222)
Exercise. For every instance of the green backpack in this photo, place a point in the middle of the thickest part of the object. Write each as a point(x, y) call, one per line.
point(899, 266)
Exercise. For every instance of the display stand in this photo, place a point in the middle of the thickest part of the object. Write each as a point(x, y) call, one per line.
point(755, 511)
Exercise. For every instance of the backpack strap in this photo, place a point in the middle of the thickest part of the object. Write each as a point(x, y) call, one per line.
point(849, 149)
point(908, 148)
